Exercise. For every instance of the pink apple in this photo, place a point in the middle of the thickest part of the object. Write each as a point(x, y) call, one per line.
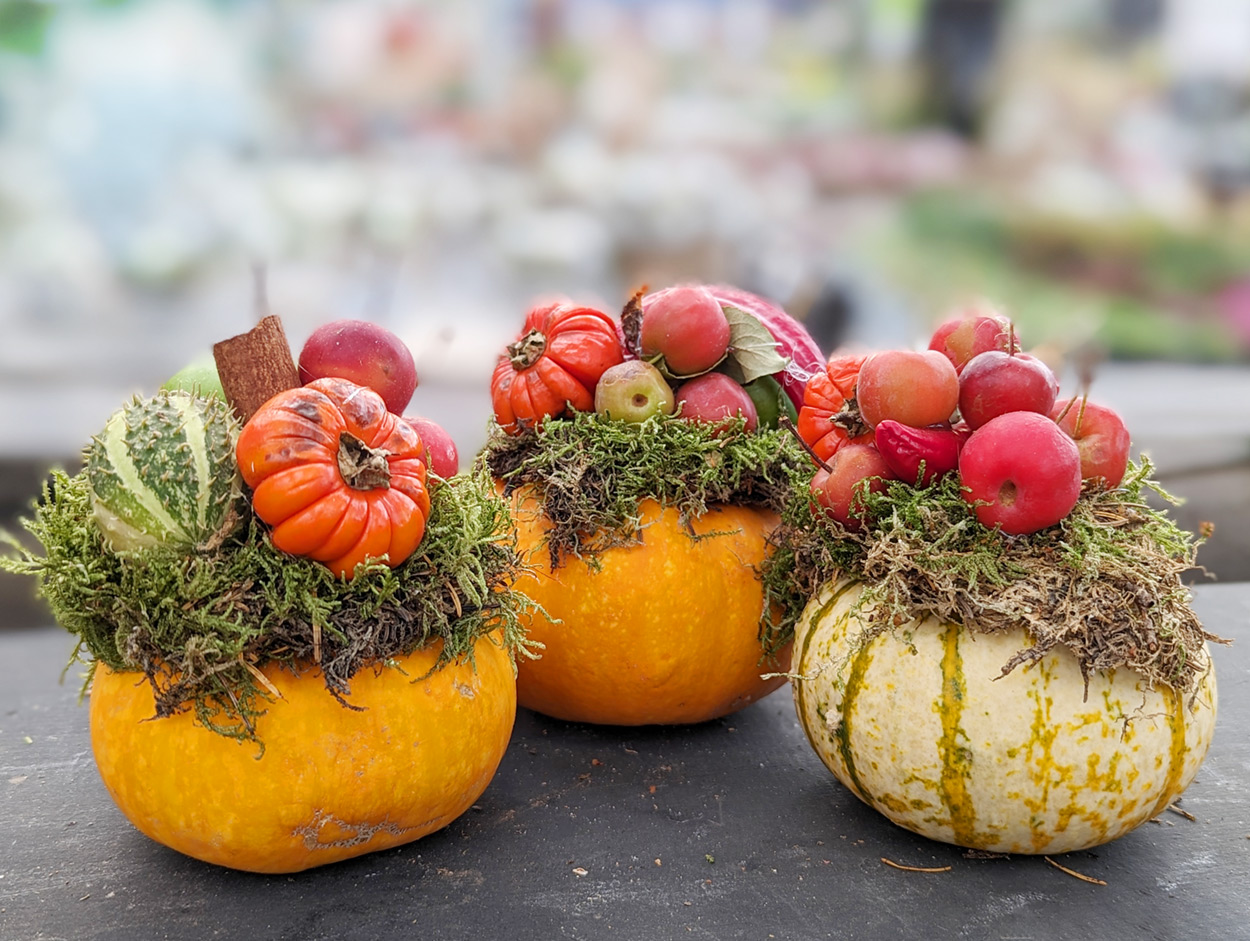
point(1021, 472)
point(995, 382)
point(367, 354)
point(441, 454)
point(837, 490)
point(1101, 438)
point(712, 398)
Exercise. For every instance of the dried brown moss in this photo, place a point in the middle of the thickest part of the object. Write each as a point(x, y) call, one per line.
point(1106, 582)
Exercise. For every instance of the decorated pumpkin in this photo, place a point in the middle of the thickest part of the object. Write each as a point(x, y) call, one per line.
point(644, 523)
point(416, 748)
point(920, 723)
point(666, 630)
point(249, 705)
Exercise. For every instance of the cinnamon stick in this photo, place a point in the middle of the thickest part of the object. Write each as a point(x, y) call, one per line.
point(255, 366)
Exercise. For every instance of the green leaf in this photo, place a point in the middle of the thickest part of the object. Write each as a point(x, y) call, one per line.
point(752, 348)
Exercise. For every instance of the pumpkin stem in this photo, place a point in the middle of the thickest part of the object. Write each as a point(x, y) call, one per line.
point(526, 351)
point(362, 467)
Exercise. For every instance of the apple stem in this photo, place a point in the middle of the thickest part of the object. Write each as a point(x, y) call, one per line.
point(785, 422)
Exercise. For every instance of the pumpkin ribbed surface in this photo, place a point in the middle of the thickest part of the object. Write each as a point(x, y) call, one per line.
point(664, 632)
point(331, 783)
point(917, 724)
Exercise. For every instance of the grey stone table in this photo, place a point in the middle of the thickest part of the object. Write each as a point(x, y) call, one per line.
point(729, 829)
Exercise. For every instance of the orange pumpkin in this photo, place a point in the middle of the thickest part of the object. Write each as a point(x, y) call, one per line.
point(666, 631)
point(338, 477)
point(553, 365)
point(826, 395)
point(331, 782)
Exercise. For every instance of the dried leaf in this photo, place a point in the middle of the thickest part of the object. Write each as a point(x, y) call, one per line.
point(752, 347)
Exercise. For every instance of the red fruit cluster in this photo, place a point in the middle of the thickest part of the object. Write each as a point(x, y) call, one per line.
point(971, 404)
point(679, 358)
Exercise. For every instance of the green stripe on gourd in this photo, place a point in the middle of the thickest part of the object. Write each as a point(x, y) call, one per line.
point(163, 472)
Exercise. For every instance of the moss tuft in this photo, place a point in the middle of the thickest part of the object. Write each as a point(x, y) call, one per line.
point(197, 626)
point(1105, 582)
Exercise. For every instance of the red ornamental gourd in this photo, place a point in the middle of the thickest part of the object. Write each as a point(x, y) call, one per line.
point(338, 477)
point(553, 365)
point(826, 396)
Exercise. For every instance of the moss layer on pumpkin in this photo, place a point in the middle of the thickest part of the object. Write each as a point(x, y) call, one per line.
point(1106, 582)
point(590, 473)
point(197, 626)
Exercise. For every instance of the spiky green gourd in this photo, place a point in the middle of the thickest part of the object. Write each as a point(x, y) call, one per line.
point(163, 472)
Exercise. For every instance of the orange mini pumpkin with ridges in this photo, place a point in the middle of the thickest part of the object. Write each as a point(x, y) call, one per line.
point(663, 632)
point(338, 477)
point(331, 782)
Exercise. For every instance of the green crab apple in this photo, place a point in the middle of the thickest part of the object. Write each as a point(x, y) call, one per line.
point(633, 391)
point(364, 353)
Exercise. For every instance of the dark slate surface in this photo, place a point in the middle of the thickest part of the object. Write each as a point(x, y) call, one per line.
point(727, 830)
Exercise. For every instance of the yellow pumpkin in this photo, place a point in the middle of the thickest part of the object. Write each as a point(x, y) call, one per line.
point(331, 783)
point(663, 632)
point(917, 724)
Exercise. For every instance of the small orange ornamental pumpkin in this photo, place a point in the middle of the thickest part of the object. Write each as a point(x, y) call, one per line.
point(331, 782)
point(666, 631)
point(339, 477)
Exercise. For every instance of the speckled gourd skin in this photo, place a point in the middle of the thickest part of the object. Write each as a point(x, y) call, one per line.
point(918, 724)
point(163, 472)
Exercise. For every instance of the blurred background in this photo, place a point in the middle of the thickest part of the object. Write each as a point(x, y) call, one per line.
point(436, 166)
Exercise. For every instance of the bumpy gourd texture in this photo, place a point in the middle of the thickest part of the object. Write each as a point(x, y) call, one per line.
point(665, 631)
point(331, 782)
point(920, 724)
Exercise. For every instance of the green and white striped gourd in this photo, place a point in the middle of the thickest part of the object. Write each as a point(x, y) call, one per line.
point(918, 724)
point(163, 472)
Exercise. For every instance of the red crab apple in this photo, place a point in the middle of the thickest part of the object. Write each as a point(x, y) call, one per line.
point(962, 337)
point(364, 352)
point(996, 382)
point(441, 454)
point(712, 398)
point(1020, 472)
point(633, 391)
point(686, 326)
point(916, 388)
point(836, 490)
point(1101, 438)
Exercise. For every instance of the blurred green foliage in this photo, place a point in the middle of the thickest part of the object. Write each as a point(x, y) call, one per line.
point(1137, 290)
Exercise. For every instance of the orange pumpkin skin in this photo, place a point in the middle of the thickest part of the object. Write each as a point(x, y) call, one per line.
point(666, 632)
point(332, 782)
point(553, 365)
point(295, 455)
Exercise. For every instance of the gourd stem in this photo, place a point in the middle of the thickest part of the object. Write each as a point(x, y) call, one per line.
point(526, 351)
point(362, 467)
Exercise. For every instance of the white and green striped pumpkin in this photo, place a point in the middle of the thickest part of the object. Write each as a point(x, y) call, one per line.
point(163, 472)
point(918, 724)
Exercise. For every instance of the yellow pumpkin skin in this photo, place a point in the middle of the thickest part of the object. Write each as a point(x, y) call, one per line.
point(332, 782)
point(917, 724)
point(665, 632)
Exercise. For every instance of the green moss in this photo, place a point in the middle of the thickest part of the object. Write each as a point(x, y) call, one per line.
point(591, 473)
point(193, 623)
point(1104, 582)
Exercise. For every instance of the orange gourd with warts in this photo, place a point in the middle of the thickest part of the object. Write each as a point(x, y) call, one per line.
point(338, 477)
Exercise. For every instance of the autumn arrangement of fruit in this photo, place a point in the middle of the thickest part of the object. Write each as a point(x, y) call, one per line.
point(992, 643)
point(678, 509)
point(278, 581)
point(646, 464)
